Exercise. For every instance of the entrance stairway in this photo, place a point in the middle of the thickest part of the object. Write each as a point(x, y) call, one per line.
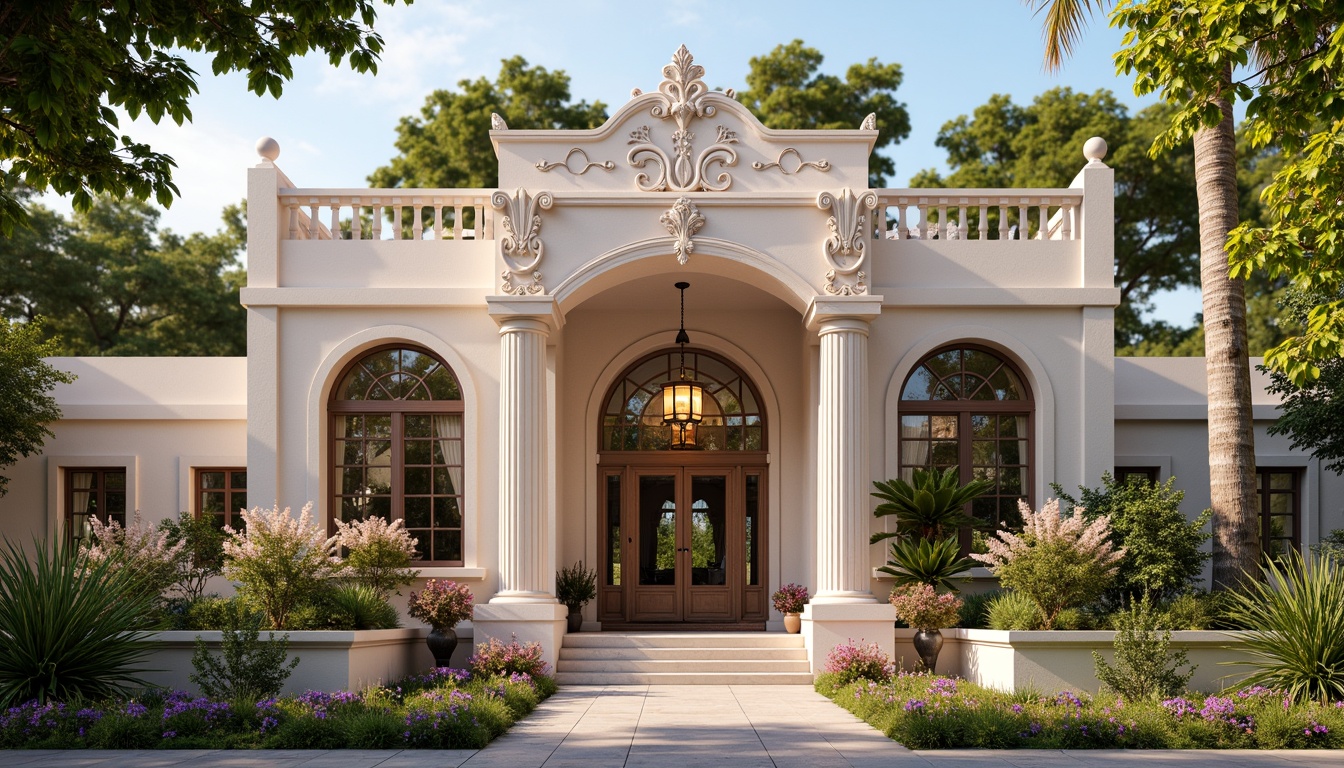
point(683, 658)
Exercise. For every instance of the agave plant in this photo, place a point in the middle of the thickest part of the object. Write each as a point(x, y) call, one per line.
point(1299, 645)
point(923, 561)
point(71, 625)
point(928, 508)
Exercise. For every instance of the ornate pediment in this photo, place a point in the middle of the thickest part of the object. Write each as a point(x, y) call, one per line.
point(681, 98)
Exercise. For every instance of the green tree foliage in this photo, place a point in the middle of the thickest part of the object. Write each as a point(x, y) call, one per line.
point(69, 70)
point(1144, 667)
point(448, 145)
point(784, 90)
point(1163, 550)
point(110, 283)
point(26, 408)
point(1312, 415)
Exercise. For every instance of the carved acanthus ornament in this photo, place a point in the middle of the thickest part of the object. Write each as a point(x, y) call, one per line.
point(798, 163)
point(869, 123)
point(521, 245)
point(497, 123)
point(846, 248)
point(681, 97)
point(682, 220)
point(546, 167)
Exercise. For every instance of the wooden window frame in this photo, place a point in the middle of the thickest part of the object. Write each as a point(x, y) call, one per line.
point(100, 494)
point(1265, 493)
point(229, 491)
point(1152, 473)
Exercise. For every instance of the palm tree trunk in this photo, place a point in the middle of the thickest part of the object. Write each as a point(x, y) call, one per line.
point(1231, 436)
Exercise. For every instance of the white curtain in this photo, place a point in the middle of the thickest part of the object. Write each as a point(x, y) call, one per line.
point(448, 430)
point(79, 504)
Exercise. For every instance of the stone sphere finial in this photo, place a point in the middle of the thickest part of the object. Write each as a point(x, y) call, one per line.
point(268, 148)
point(1094, 150)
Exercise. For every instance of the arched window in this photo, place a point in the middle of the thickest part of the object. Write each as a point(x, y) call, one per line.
point(633, 418)
point(397, 448)
point(966, 406)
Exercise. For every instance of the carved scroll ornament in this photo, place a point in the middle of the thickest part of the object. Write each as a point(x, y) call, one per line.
point(796, 164)
point(521, 245)
point(682, 220)
point(845, 249)
point(586, 165)
point(681, 98)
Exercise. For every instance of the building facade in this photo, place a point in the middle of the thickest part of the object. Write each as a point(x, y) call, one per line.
point(487, 365)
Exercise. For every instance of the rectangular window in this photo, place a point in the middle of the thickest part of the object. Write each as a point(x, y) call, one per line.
point(220, 493)
point(93, 492)
point(1123, 474)
point(1278, 494)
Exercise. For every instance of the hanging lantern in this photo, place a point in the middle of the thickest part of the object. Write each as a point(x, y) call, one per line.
point(683, 398)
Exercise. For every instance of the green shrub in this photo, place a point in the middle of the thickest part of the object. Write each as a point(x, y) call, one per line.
point(1071, 619)
point(378, 555)
point(1298, 610)
point(849, 662)
point(495, 658)
point(372, 729)
point(347, 607)
point(278, 560)
point(308, 733)
point(71, 627)
point(212, 612)
point(249, 669)
point(575, 585)
point(125, 727)
point(1144, 665)
point(1013, 611)
point(1163, 550)
point(975, 609)
point(1187, 611)
point(202, 552)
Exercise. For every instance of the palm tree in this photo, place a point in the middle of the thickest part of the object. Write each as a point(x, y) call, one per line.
point(1231, 434)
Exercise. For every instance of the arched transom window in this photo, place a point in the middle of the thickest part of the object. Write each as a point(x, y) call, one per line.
point(633, 418)
point(397, 449)
point(966, 406)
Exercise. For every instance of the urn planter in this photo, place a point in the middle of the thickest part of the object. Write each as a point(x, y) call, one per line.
point(928, 643)
point(793, 623)
point(442, 643)
point(574, 619)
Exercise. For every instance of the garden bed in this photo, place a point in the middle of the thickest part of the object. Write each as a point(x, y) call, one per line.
point(329, 660)
point(1059, 660)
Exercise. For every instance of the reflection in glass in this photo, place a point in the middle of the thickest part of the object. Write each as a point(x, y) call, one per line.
point(708, 513)
point(657, 529)
point(753, 496)
point(613, 575)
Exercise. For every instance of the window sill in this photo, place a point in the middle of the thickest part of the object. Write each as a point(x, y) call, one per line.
point(459, 573)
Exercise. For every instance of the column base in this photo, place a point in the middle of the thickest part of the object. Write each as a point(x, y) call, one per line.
point(827, 625)
point(525, 622)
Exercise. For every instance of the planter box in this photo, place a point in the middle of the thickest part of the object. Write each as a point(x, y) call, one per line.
point(1062, 661)
point(328, 660)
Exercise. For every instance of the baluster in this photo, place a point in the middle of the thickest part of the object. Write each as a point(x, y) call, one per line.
point(377, 218)
point(356, 211)
point(962, 222)
point(983, 228)
point(942, 219)
point(903, 231)
point(396, 218)
point(1044, 231)
point(438, 219)
point(489, 222)
point(457, 219)
point(293, 222)
point(1023, 220)
point(477, 218)
point(1003, 220)
point(335, 218)
point(418, 225)
point(1066, 221)
point(923, 228)
point(314, 225)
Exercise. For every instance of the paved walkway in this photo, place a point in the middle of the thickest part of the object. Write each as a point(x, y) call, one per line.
point(740, 726)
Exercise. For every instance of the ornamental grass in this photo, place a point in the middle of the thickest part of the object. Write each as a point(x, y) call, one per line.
point(441, 709)
point(926, 711)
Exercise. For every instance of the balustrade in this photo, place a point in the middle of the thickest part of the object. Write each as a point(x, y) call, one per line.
point(979, 214)
point(385, 214)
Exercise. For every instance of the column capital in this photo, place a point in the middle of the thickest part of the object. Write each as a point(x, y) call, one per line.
point(826, 310)
point(539, 308)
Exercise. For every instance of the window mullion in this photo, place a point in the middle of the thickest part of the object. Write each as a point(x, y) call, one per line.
point(398, 467)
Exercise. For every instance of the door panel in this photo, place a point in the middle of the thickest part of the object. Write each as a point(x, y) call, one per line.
point(656, 505)
point(705, 537)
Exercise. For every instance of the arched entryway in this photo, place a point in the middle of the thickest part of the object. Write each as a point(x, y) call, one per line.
point(682, 527)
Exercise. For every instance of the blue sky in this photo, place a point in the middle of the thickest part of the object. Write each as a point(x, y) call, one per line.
point(335, 126)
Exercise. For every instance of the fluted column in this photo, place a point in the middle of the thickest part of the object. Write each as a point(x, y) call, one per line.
point(526, 546)
point(843, 571)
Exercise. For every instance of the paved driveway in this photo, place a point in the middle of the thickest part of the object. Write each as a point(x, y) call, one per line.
point(740, 726)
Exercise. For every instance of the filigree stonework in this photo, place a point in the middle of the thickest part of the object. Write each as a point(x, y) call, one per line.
point(588, 164)
point(869, 123)
point(682, 220)
point(521, 245)
point(497, 123)
point(681, 98)
point(845, 249)
point(798, 163)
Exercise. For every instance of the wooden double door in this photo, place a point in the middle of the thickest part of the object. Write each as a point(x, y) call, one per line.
point(683, 543)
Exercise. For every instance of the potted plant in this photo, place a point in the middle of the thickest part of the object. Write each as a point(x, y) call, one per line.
point(923, 608)
point(789, 600)
point(575, 586)
point(441, 605)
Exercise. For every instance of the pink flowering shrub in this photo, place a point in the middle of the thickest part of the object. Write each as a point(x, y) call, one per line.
point(139, 548)
point(278, 560)
point(850, 662)
point(790, 598)
point(1058, 561)
point(377, 554)
point(495, 658)
point(441, 604)
point(922, 607)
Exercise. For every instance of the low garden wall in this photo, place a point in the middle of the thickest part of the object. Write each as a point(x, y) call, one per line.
point(1051, 661)
point(328, 660)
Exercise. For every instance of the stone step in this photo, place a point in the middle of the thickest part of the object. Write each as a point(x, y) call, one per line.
point(713, 654)
point(687, 666)
point(681, 640)
point(683, 678)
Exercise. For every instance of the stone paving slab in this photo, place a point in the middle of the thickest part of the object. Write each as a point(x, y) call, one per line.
point(738, 726)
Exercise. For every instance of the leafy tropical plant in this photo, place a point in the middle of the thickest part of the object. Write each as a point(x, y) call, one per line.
point(930, 507)
point(71, 625)
point(1058, 561)
point(1013, 611)
point(1297, 610)
point(248, 669)
point(923, 561)
point(279, 561)
point(358, 606)
point(1144, 666)
point(575, 585)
